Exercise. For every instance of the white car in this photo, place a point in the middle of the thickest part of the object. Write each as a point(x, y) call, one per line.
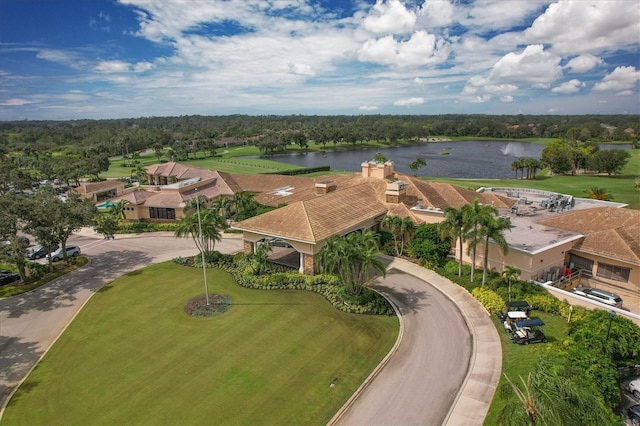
point(634, 387)
point(72, 251)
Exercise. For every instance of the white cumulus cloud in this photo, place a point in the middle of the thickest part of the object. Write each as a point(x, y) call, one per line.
point(622, 78)
point(409, 102)
point(571, 86)
point(367, 107)
point(421, 49)
point(583, 63)
point(582, 26)
point(390, 17)
point(506, 99)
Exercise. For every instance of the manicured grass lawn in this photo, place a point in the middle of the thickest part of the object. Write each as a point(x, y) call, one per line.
point(622, 186)
point(132, 356)
point(519, 360)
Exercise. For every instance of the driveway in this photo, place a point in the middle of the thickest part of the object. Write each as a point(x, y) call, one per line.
point(30, 323)
point(447, 364)
point(444, 369)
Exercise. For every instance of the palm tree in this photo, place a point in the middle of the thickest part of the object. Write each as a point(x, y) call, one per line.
point(392, 224)
point(510, 273)
point(493, 229)
point(407, 229)
point(453, 227)
point(474, 215)
point(352, 258)
point(596, 193)
point(211, 222)
point(117, 210)
point(553, 395)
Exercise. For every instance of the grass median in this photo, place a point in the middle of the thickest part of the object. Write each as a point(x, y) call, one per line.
point(133, 356)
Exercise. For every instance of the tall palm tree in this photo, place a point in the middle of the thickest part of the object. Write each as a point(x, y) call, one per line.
point(510, 273)
point(212, 224)
point(474, 215)
point(493, 229)
point(352, 258)
point(407, 229)
point(453, 227)
point(392, 224)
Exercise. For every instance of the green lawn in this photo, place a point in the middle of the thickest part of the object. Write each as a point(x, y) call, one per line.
point(622, 186)
point(519, 360)
point(132, 356)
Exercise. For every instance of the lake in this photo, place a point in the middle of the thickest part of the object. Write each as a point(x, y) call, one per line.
point(465, 159)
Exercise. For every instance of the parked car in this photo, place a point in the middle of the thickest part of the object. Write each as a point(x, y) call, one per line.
point(634, 387)
point(8, 277)
point(21, 239)
point(38, 252)
point(72, 251)
point(603, 296)
point(279, 242)
point(634, 414)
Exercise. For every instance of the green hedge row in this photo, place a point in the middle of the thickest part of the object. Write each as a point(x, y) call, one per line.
point(328, 286)
point(138, 227)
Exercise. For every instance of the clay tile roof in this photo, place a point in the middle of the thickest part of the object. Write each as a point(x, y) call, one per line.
point(180, 171)
point(165, 199)
point(89, 187)
point(136, 197)
point(609, 231)
point(318, 218)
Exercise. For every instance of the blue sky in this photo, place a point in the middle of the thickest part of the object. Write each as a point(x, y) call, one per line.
point(72, 59)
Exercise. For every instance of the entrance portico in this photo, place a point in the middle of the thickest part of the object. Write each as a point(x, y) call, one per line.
point(306, 225)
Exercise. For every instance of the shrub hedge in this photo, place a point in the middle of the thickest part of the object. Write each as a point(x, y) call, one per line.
point(329, 286)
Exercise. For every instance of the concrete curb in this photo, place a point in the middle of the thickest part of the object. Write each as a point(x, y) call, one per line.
point(485, 365)
point(375, 372)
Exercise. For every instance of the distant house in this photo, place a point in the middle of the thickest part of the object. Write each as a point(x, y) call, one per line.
point(100, 191)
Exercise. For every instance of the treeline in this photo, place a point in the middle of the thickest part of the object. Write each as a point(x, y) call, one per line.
point(121, 136)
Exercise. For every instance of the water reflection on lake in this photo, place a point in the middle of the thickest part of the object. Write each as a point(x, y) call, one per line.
point(467, 159)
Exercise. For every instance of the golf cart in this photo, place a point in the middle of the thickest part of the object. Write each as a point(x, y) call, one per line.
point(516, 311)
point(528, 331)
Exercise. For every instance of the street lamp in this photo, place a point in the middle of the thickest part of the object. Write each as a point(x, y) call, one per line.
point(202, 257)
point(612, 314)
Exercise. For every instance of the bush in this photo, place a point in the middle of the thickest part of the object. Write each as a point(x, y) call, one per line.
point(489, 299)
point(328, 286)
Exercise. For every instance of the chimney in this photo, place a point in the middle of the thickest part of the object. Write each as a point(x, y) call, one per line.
point(378, 170)
point(396, 192)
point(325, 187)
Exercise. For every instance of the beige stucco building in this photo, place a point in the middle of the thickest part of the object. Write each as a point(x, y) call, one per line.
point(602, 239)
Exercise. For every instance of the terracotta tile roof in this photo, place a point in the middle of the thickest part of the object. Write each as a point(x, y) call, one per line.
point(136, 197)
point(165, 199)
point(180, 171)
point(609, 231)
point(318, 218)
point(105, 185)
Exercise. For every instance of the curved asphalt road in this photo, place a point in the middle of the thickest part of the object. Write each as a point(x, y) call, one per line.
point(420, 382)
point(438, 373)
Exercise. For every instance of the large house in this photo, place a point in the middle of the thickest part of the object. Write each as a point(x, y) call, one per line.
point(602, 239)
